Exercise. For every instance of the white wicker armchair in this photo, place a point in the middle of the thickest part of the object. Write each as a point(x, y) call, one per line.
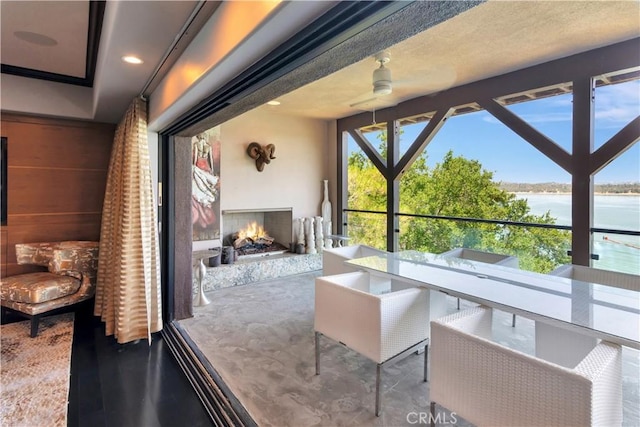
point(489, 384)
point(565, 346)
point(486, 257)
point(367, 315)
point(333, 259)
point(595, 275)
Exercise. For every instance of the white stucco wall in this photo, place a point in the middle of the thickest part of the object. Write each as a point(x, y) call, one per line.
point(293, 179)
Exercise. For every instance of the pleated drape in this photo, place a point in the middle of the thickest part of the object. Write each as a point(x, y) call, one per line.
point(128, 294)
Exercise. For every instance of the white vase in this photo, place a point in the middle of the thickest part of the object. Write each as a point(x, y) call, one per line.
point(300, 234)
point(319, 234)
point(326, 206)
point(201, 273)
point(310, 236)
point(328, 242)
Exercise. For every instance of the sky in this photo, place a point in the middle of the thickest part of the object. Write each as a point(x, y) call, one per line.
point(482, 137)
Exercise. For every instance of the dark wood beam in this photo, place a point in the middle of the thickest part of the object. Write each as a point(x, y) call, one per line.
point(393, 185)
point(543, 144)
point(342, 180)
point(369, 150)
point(421, 141)
point(607, 59)
point(615, 146)
point(581, 179)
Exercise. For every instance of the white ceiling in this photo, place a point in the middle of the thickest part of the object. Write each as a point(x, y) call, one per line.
point(44, 35)
point(488, 40)
point(143, 28)
point(491, 39)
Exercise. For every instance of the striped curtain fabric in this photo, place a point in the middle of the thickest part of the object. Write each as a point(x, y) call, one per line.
point(128, 294)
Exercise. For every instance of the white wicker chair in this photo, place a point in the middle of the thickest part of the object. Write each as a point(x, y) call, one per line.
point(595, 275)
point(486, 257)
point(384, 327)
point(333, 259)
point(489, 384)
point(564, 346)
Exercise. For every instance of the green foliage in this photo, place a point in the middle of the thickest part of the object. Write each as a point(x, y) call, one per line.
point(454, 187)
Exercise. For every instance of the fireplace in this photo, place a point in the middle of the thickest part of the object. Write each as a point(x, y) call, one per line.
point(270, 230)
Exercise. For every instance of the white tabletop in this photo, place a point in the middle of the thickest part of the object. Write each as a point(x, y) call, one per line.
point(605, 312)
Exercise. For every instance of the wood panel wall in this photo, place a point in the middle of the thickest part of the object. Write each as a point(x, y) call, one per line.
point(57, 171)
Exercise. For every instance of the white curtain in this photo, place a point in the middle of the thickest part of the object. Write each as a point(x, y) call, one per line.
point(128, 294)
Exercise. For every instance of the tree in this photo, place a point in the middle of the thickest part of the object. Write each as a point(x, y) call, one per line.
point(455, 187)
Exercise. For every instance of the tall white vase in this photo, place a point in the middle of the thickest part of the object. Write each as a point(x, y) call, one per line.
point(310, 235)
point(201, 273)
point(326, 214)
point(319, 234)
point(300, 233)
point(328, 241)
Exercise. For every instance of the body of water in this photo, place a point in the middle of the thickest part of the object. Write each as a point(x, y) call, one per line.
point(617, 252)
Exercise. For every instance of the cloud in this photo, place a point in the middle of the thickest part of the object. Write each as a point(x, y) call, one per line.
point(617, 104)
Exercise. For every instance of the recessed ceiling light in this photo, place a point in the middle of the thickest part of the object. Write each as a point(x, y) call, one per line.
point(132, 59)
point(35, 38)
point(273, 103)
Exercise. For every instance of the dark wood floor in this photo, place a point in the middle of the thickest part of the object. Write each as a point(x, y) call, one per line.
point(127, 385)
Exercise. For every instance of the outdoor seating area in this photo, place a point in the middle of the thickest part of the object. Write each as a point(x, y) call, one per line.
point(481, 370)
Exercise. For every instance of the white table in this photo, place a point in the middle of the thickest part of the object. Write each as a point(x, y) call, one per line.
point(559, 304)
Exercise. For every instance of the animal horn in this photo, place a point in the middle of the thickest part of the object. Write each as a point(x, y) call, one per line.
point(253, 150)
point(270, 148)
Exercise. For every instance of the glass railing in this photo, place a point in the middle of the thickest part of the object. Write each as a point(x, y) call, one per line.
point(539, 247)
point(366, 228)
point(616, 250)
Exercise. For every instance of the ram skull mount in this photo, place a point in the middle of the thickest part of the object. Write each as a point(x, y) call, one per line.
point(262, 155)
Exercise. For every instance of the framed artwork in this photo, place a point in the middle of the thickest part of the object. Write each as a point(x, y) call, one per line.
point(205, 185)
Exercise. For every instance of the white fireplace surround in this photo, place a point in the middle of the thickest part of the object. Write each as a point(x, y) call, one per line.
point(277, 222)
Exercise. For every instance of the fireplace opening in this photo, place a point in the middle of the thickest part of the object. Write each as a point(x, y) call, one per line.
point(254, 240)
point(256, 233)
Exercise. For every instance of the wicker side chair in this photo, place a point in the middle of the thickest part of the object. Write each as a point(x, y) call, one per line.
point(564, 346)
point(486, 257)
point(333, 259)
point(383, 325)
point(489, 384)
point(596, 275)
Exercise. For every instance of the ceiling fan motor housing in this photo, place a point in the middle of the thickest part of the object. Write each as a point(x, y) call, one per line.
point(382, 75)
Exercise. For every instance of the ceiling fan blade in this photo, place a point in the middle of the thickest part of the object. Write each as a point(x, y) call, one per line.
point(363, 102)
point(376, 103)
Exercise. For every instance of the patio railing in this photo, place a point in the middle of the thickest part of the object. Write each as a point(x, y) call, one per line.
point(539, 247)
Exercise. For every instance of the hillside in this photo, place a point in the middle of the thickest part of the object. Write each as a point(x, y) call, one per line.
point(556, 187)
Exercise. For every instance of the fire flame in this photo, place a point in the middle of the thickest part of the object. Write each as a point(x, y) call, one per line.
point(252, 231)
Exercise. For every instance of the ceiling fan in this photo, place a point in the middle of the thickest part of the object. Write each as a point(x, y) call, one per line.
point(431, 78)
point(381, 81)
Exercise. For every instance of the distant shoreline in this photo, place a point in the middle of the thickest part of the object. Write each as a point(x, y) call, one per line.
point(554, 193)
point(623, 188)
